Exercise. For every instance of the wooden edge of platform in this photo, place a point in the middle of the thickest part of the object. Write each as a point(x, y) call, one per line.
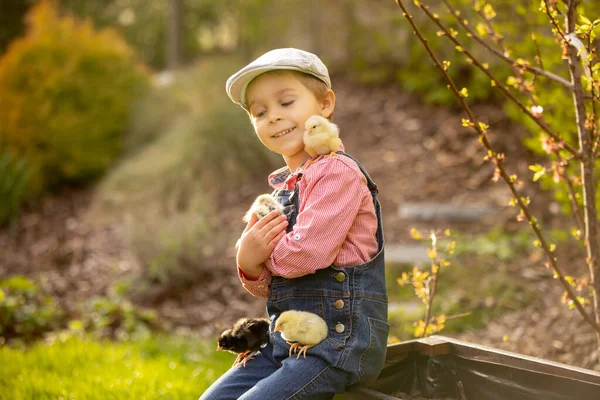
point(439, 345)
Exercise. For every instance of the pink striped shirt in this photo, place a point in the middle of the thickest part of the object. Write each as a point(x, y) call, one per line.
point(336, 222)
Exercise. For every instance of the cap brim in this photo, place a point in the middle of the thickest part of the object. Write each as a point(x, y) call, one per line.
point(237, 84)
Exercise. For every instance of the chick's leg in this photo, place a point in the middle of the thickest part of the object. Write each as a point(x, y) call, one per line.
point(293, 347)
point(303, 350)
point(244, 357)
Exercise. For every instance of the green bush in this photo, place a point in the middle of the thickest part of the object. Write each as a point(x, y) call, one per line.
point(14, 179)
point(66, 93)
point(25, 312)
point(114, 318)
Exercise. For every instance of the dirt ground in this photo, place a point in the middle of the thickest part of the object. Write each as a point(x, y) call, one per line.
point(415, 153)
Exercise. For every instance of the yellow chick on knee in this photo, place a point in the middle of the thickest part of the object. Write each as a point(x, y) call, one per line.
point(301, 330)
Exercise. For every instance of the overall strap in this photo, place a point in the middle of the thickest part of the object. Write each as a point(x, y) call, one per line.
point(372, 186)
point(374, 191)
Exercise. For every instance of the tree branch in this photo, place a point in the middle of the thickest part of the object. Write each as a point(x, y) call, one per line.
point(502, 56)
point(540, 122)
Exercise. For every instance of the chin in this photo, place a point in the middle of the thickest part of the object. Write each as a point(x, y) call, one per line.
point(290, 150)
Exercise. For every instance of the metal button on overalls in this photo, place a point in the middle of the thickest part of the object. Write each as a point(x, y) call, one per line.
point(340, 276)
point(340, 328)
point(338, 304)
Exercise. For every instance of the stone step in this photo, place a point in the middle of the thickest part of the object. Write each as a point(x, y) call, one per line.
point(450, 212)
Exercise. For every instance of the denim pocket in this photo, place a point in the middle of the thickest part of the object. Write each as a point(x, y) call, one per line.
point(373, 358)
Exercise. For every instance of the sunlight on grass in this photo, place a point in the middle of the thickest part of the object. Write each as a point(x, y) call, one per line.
point(158, 368)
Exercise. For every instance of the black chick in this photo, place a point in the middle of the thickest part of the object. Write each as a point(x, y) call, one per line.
point(246, 337)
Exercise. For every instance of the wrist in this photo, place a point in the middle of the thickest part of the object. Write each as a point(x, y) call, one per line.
point(251, 272)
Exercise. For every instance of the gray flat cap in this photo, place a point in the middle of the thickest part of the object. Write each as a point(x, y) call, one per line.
point(288, 58)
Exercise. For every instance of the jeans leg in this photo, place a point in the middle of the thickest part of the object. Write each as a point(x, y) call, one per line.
point(310, 378)
point(238, 380)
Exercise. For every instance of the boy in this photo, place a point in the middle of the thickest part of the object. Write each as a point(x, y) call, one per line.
point(324, 256)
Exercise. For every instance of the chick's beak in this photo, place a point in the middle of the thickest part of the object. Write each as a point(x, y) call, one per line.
point(277, 329)
point(219, 347)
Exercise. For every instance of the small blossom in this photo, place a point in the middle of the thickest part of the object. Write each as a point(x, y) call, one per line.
point(537, 111)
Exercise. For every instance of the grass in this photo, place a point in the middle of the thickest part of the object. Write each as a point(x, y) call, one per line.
point(157, 368)
point(481, 282)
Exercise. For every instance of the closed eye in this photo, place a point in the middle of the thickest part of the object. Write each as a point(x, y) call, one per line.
point(287, 104)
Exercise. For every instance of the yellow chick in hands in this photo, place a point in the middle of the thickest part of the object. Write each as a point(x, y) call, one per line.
point(321, 136)
point(301, 330)
point(264, 204)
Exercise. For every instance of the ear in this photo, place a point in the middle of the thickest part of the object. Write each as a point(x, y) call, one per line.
point(328, 104)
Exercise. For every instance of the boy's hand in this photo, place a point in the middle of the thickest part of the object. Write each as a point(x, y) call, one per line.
point(258, 241)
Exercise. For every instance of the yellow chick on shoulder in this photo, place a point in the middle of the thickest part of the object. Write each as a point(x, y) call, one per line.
point(301, 330)
point(321, 136)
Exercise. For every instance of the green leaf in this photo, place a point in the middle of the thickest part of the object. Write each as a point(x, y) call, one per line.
point(538, 175)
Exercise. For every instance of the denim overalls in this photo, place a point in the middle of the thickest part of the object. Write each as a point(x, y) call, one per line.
point(353, 302)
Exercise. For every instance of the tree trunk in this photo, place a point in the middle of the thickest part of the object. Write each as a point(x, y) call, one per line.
point(174, 34)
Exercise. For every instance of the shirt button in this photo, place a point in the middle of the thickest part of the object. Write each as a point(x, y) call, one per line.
point(338, 304)
point(340, 276)
point(339, 328)
point(296, 237)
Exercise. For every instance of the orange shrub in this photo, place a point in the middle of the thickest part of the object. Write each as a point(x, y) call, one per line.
point(66, 92)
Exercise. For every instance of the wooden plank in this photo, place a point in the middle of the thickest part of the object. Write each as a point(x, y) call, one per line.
point(433, 346)
point(487, 354)
point(362, 393)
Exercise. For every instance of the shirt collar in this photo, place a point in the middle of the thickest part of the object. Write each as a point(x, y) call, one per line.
point(282, 178)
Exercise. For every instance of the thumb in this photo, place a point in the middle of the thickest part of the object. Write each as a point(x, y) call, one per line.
point(253, 220)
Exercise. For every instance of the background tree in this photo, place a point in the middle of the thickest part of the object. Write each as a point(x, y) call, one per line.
point(11, 20)
point(572, 155)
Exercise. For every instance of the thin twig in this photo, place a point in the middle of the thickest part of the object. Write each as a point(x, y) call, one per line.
point(432, 286)
point(502, 56)
point(539, 55)
point(500, 42)
point(554, 22)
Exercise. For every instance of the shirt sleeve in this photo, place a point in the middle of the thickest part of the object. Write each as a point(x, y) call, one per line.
point(331, 201)
point(258, 287)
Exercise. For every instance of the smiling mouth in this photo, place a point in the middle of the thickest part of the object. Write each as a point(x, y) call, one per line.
point(283, 133)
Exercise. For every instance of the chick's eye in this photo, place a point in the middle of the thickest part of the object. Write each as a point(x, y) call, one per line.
point(314, 126)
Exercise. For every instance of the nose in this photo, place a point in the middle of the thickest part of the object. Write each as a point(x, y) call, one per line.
point(274, 116)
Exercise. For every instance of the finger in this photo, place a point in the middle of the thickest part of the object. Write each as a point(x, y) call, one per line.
point(276, 240)
point(276, 230)
point(267, 218)
point(251, 222)
point(271, 224)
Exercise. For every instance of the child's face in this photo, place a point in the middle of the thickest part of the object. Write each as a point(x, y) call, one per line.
point(279, 105)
